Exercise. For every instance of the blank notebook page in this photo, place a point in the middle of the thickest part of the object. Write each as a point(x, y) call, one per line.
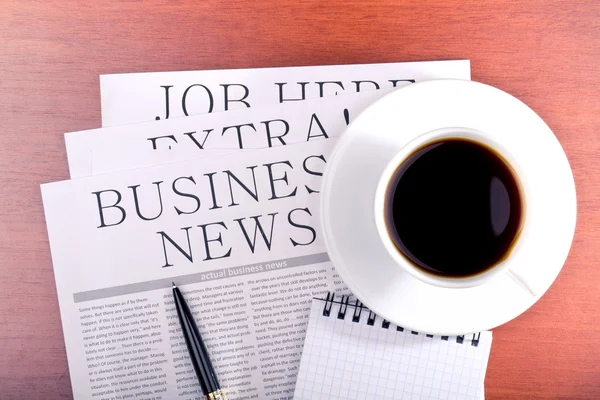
point(348, 358)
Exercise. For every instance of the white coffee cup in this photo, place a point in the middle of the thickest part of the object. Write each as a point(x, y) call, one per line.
point(506, 265)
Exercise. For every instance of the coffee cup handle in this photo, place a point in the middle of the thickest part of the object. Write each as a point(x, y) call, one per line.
point(520, 280)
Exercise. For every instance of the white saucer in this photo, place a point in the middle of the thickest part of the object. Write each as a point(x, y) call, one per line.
point(363, 152)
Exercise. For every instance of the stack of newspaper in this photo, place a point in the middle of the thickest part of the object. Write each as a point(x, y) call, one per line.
point(211, 180)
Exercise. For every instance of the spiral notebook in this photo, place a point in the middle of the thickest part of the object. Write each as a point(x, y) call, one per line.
point(351, 353)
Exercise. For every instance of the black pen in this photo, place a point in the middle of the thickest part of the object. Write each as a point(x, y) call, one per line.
point(197, 350)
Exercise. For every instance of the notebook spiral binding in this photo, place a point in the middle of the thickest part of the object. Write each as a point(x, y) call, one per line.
point(342, 311)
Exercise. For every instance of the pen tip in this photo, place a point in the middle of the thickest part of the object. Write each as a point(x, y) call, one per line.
point(174, 285)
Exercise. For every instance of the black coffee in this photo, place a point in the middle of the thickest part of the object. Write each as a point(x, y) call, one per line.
point(454, 208)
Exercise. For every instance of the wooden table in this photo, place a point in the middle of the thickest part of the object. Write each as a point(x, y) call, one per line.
point(51, 53)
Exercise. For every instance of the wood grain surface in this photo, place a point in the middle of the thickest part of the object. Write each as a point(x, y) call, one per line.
point(546, 53)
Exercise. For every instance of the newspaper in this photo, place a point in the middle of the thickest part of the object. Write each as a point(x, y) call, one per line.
point(278, 122)
point(140, 97)
point(239, 235)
